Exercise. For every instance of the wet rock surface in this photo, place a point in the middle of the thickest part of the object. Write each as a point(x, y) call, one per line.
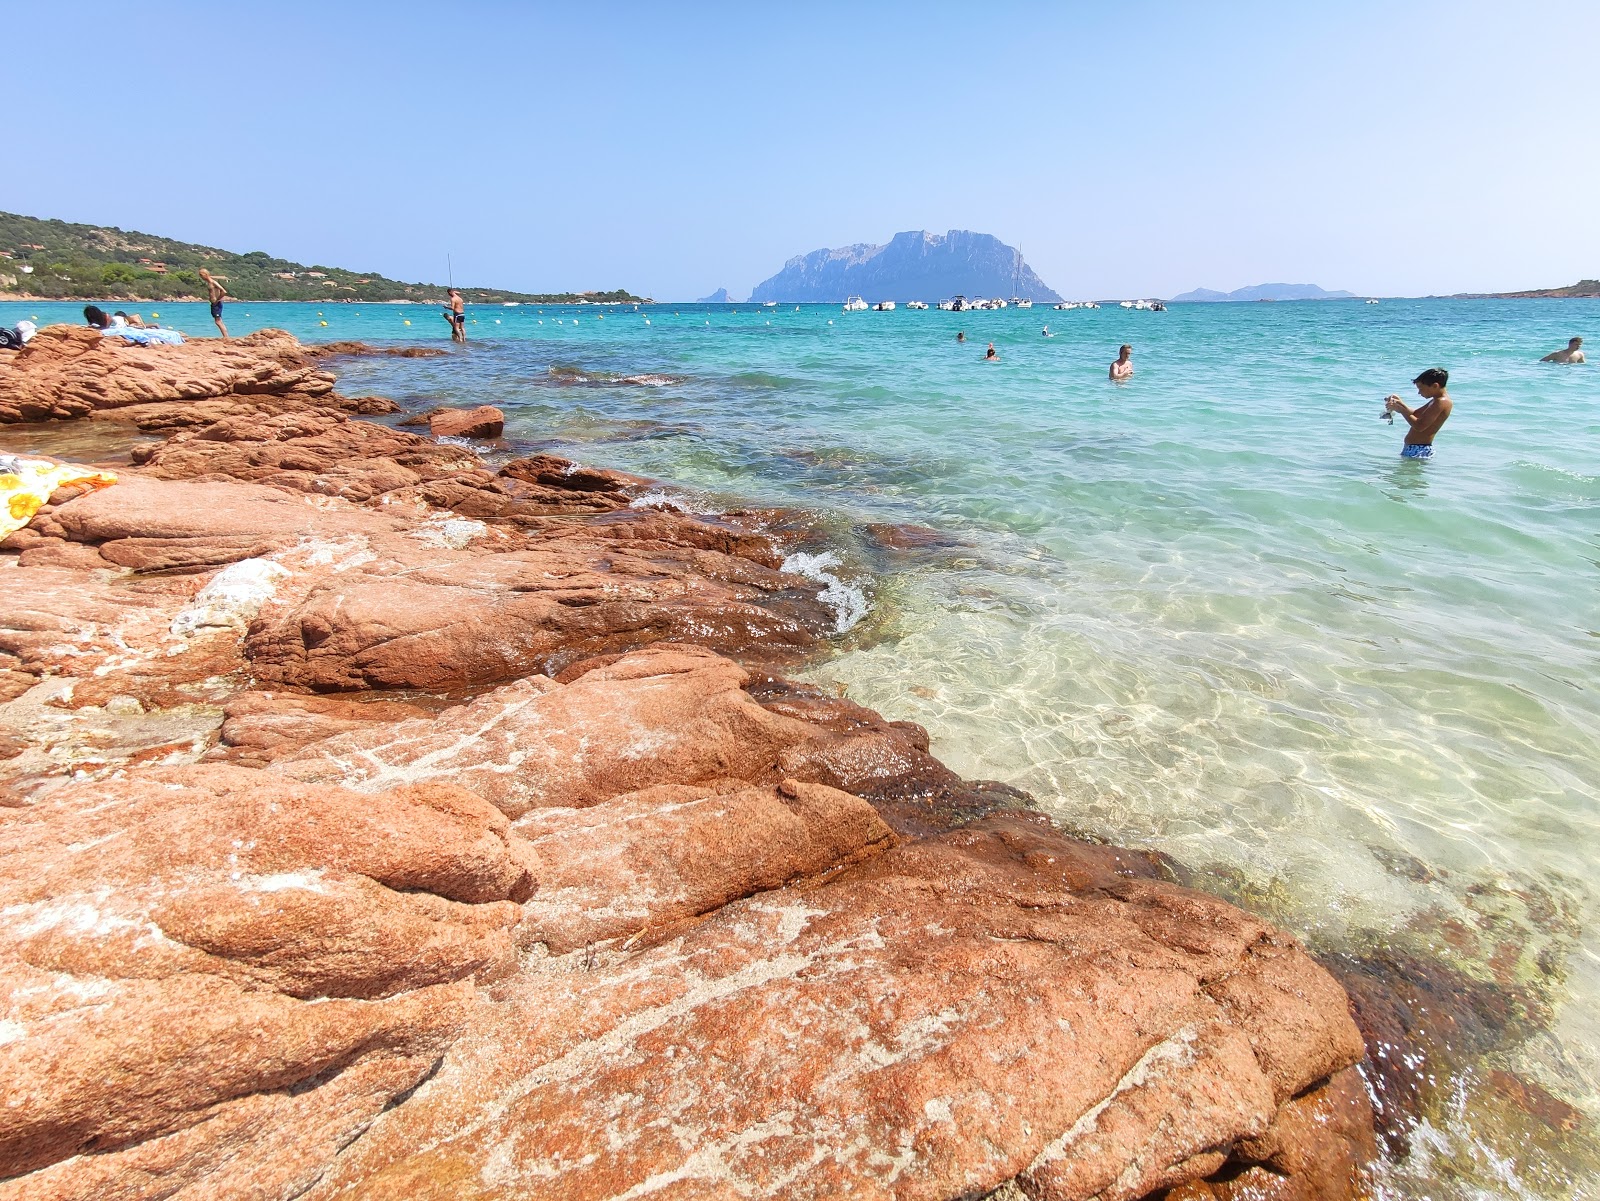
point(486, 421)
point(376, 822)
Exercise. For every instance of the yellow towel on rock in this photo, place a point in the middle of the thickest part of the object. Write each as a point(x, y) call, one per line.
point(27, 484)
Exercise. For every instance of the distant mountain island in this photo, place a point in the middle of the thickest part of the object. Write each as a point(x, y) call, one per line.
point(1584, 289)
point(913, 266)
point(1261, 292)
point(57, 260)
point(720, 296)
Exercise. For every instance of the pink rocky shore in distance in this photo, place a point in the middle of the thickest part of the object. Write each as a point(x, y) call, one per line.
point(382, 824)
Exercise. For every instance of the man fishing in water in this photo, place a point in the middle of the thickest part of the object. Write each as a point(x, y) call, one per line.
point(457, 317)
point(1425, 419)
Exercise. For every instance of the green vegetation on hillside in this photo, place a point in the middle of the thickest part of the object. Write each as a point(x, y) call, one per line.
point(92, 262)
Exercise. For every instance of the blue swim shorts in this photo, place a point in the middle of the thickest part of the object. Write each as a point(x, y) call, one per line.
point(1417, 452)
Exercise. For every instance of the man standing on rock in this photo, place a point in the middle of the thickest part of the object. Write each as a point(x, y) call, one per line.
point(457, 317)
point(217, 293)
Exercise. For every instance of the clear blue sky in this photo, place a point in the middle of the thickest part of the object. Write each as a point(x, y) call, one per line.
point(1129, 149)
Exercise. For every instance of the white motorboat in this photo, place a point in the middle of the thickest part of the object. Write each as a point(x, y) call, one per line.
point(958, 304)
point(1021, 302)
point(884, 306)
point(771, 304)
point(1372, 300)
point(916, 304)
point(854, 304)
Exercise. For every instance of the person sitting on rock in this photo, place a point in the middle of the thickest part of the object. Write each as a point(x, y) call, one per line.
point(1572, 354)
point(132, 319)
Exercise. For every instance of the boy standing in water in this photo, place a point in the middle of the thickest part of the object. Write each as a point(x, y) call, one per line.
point(217, 293)
point(1425, 419)
point(1123, 367)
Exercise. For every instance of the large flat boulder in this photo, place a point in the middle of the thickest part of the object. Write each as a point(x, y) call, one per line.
point(72, 371)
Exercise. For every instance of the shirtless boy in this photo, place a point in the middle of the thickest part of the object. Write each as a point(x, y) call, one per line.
point(1425, 419)
point(1572, 354)
point(217, 293)
point(1123, 367)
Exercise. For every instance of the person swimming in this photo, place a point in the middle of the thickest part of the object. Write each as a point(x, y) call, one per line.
point(989, 356)
point(1572, 354)
point(961, 335)
point(1047, 332)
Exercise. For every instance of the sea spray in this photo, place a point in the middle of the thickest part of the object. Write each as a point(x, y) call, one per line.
point(849, 603)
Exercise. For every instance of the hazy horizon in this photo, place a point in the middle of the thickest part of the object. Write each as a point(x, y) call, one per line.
point(1392, 151)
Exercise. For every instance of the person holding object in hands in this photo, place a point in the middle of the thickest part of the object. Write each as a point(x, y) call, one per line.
point(1426, 418)
point(456, 315)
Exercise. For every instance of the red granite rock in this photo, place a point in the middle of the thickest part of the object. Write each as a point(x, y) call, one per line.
point(467, 620)
point(259, 727)
point(733, 980)
point(664, 715)
point(70, 371)
point(485, 421)
point(643, 861)
point(998, 1004)
point(196, 937)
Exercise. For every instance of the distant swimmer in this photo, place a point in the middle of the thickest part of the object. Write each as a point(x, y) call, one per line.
point(1425, 419)
point(457, 317)
point(1123, 367)
point(1047, 332)
point(961, 335)
point(989, 356)
point(1572, 354)
point(218, 292)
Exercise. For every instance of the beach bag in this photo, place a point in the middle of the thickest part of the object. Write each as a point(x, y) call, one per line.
point(10, 339)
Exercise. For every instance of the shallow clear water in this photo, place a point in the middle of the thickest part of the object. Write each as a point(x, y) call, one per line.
point(1209, 610)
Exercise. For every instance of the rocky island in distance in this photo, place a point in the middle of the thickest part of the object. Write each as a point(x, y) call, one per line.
point(1261, 292)
point(916, 265)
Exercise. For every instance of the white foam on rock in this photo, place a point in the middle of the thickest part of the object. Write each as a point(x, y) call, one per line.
point(657, 500)
point(849, 603)
point(234, 596)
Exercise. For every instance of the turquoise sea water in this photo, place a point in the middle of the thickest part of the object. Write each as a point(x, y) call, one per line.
point(1209, 610)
